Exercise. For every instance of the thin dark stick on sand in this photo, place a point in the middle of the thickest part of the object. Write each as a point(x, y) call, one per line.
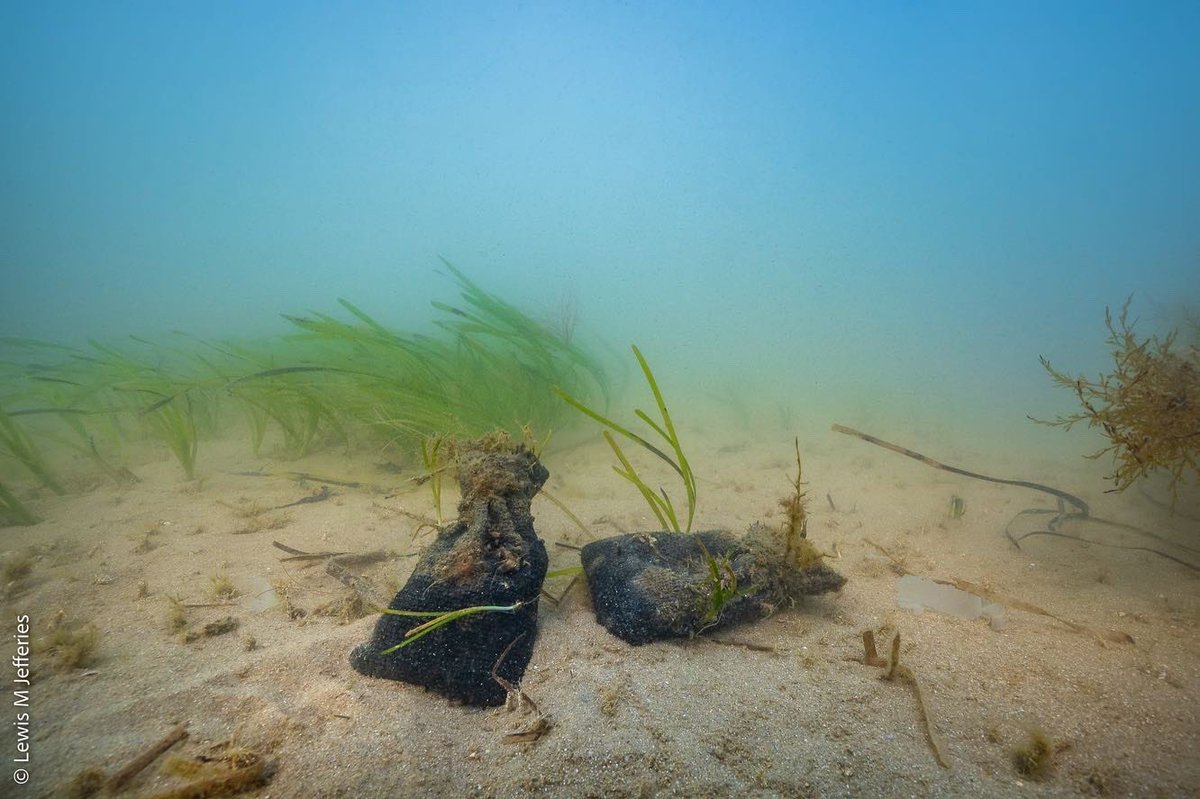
point(925, 459)
point(299, 554)
point(139, 763)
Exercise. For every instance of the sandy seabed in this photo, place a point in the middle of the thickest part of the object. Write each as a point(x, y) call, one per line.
point(780, 707)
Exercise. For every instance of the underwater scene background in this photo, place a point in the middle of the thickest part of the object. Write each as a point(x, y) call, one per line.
point(265, 267)
point(884, 208)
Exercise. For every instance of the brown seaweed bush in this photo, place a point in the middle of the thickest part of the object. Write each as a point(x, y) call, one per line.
point(1148, 406)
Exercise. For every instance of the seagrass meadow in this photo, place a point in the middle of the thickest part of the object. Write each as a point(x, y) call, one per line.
point(351, 383)
point(543, 400)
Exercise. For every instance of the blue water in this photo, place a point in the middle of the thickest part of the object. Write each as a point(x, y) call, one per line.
point(879, 211)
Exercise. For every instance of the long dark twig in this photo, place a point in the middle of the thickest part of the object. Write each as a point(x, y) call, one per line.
point(1062, 495)
point(1061, 515)
point(145, 758)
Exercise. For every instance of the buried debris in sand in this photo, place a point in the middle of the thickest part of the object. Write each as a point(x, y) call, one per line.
point(919, 594)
